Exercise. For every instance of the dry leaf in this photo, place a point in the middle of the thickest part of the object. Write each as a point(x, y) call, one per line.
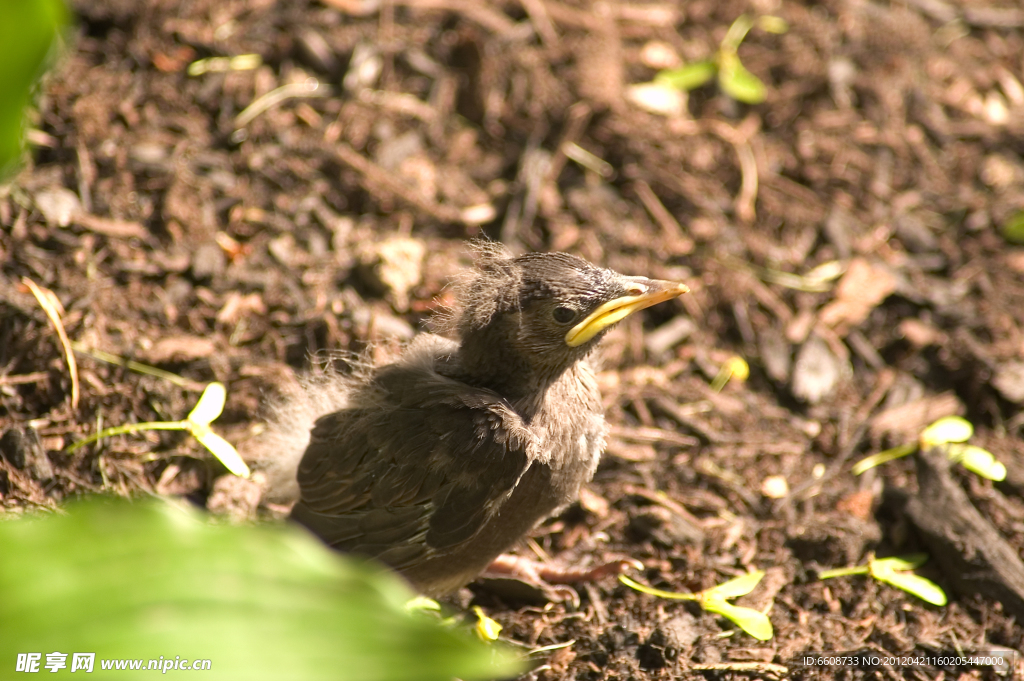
point(861, 289)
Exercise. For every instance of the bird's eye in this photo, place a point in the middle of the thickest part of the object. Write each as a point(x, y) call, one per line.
point(563, 315)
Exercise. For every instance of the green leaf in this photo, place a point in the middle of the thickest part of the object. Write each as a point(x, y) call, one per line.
point(1013, 229)
point(754, 622)
point(946, 429)
point(772, 24)
point(925, 589)
point(222, 449)
point(209, 407)
point(739, 83)
point(28, 30)
point(979, 461)
point(486, 629)
point(689, 77)
point(893, 571)
point(734, 588)
point(210, 404)
point(907, 562)
point(145, 580)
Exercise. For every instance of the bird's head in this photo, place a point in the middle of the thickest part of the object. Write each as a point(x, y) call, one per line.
point(529, 318)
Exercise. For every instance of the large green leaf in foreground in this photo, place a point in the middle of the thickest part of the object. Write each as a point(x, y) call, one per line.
point(27, 31)
point(149, 579)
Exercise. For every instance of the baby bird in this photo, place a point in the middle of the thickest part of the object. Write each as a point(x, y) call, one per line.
point(441, 461)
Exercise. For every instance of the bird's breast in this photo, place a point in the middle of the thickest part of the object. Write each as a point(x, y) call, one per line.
point(570, 430)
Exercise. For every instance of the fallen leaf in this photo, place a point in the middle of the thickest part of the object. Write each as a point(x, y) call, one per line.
point(862, 289)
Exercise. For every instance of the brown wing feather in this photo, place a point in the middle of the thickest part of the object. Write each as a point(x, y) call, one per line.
point(416, 475)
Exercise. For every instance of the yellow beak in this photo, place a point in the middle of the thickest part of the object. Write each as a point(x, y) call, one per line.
point(642, 293)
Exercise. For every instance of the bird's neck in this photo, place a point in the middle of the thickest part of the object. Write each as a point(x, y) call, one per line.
point(489, 360)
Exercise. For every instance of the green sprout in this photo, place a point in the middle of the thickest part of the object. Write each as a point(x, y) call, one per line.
point(486, 628)
point(715, 600)
point(209, 407)
point(896, 572)
point(734, 78)
point(950, 432)
point(734, 367)
point(1013, 229)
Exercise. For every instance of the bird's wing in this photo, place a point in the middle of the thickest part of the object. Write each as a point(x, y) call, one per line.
point(416, 474)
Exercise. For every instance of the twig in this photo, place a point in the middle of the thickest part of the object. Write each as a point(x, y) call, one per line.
point(670, 227)
point(375, 175)
point(541, 21)
point(747, 198)
point(22, 379)
point(140, 368)
point(472, 10)
point(308, 88)
point(765, 669)
point(48, 301)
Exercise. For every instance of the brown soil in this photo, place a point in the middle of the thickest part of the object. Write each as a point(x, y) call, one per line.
point(843, 237)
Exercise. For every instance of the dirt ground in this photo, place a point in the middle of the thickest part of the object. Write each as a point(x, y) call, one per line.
point(844, 237)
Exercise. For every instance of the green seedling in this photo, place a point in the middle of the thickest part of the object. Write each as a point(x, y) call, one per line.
point(209, 407)
point(733, 77)
point(486, 629)
point(716, 600)
point(896, 572)
point(951, 433)
point(734, 367)
point(1013, 228)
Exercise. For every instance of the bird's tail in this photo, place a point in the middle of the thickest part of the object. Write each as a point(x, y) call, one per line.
point(278, 450)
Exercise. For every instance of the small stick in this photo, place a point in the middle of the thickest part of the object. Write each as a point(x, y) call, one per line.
point(48, 301)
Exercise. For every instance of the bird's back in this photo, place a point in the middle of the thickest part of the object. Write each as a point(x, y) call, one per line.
point(436, 477)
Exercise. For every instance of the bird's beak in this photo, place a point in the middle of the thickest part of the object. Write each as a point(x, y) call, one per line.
point(641, 293)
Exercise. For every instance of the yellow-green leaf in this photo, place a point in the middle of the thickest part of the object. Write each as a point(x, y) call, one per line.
point(947, 429)
point(740, 586)
point(222, 449)
point(772, 24)
point(486, 628)
point(925, 589)
point(739, 83)
point(907, 562)
point(210, 405)
point(895, 571)
point(754, 622)
point(979, 461)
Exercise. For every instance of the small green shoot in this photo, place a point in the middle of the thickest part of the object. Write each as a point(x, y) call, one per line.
point(209, 407)
point(733, 77)
point(715, 600)
point(734, 367)
point(950, 432)
point(486, 629)
point(895, 571)
point(1013, 229)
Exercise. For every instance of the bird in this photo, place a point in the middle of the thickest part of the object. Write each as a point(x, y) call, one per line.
point(439, 462)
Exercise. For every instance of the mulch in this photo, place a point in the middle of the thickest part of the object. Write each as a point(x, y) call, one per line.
point(845, 238)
